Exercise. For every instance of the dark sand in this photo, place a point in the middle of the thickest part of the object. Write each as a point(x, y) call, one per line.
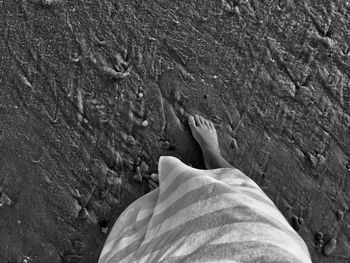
point(93, 92)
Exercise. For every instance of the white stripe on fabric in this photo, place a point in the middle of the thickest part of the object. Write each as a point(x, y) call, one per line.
point(196, 183)
point(107, 248)
point(127, 259)
point(262, 233)
point(253, 191)
point(189, 185)
point(236, 232)
point(165, 182)
point(144, 213)
point(238, 182)
point(205, 206)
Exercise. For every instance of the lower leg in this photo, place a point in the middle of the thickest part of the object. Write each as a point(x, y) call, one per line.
point(214, 160)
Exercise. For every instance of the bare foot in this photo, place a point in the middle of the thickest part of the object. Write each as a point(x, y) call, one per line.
point(205, 133)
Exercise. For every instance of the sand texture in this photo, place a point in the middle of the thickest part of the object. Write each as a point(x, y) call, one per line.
point(93, 92)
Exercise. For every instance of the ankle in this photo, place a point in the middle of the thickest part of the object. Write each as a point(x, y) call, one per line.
point(211, 151)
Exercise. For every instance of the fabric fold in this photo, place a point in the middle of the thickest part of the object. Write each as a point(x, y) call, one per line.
point(199, 215)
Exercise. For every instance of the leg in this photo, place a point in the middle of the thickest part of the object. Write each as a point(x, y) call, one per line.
point(205, 134)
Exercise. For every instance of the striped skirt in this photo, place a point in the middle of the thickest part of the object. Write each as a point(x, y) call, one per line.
point(195, 215)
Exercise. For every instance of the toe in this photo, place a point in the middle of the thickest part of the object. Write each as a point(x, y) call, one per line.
point(191, 121)
point(211, 125)
point(202, 120)
point(198, 121)
point(205, 122)
point(155, 177)
point(152, 185)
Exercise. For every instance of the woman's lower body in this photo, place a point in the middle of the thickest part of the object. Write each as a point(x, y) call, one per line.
point(214, 215)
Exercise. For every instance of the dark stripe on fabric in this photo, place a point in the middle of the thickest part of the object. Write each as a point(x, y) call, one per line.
point(181, 178)
point(200, 194)
point(250, 185)
point(138, 225)
point(184, 175)
point(238, 214)
point(125, 251)
point(150, 204)
point(243, 252)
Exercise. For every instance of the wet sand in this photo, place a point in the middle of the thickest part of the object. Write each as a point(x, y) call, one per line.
point(93, 92)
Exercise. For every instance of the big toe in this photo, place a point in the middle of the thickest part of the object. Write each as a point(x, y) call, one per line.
point(155, 177)
point(191, 121)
